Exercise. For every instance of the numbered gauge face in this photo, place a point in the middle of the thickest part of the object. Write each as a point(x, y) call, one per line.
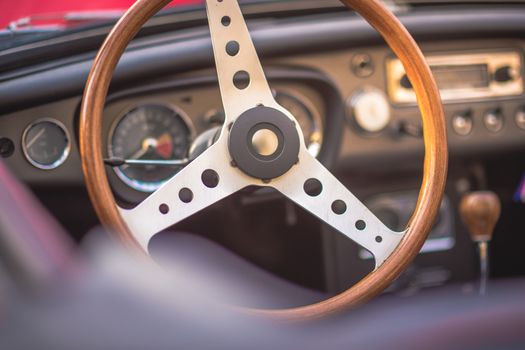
point(150, 133)
point(309, 120)
point(46, 144)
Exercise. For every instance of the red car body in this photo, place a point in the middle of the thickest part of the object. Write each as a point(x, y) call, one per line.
point(14, 10)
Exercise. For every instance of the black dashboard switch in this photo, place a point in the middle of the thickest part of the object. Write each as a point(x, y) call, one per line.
point(504, 74)
point(405, 82)
point(7, 147)
point(407, 128)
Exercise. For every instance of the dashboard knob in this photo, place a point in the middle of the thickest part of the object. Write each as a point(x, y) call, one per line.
point(462, 123)
point(520, 118)
point(370, 110)
point(493, 120)
point(362, 65)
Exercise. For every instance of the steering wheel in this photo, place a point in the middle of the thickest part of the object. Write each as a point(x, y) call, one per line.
point(261, 144)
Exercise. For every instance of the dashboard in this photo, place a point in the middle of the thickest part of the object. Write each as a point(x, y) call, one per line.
point(347, 94)
point(355, 107)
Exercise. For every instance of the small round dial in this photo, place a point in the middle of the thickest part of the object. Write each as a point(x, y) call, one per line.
point(46, 144)
point(150, 133)
point(370, 110)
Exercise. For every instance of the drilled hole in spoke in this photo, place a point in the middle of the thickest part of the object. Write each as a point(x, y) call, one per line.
point(226, 21)
point(241, 80)
point(232, 48)
point(339, 207)
point(313, 187)
point(210, 178)
point(186, 195)
point(164, 209)
point(360, 225)
point(379, 239)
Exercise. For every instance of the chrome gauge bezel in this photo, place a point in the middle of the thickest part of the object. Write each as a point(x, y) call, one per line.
point(134, 184)
point(65, 152)
point(315, 142)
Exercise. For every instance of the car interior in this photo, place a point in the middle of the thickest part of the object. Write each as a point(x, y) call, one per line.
point(247, 174)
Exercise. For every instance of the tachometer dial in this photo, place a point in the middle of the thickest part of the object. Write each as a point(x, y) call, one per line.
point(46, 144)
point(150, 132)
point(308, 118)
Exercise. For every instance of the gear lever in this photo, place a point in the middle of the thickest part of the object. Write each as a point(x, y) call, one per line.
point(480, 212)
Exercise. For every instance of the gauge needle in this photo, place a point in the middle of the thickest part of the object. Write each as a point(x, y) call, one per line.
point(163, 146)
point(119, 162)
point(144, 148)
point(35, 138)
point(141, 152)
point(147, 144)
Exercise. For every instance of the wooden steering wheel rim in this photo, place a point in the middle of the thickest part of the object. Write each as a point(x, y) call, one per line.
point(434, 128)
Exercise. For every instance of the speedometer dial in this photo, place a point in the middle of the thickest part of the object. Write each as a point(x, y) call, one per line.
point(150, 132)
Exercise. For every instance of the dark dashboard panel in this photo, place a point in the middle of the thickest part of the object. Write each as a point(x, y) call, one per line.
point(327, 82)
point(196, 96)
point(359, 147)
point(13, 127)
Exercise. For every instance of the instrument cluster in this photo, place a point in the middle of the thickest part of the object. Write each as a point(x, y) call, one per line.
point(152, 137)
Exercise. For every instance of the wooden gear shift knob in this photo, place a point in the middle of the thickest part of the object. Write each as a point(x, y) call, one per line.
point(480, 212)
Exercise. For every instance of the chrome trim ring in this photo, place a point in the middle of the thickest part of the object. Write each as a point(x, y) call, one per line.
point(134, 184)
point(65, 153)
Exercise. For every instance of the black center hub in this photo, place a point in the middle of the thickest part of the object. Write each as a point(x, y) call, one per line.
point(250, 159)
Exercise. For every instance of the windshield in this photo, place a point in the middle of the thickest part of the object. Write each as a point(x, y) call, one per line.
point(27, 21)
point(58, 13)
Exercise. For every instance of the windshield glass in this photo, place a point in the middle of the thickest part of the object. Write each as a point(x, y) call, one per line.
point(59, 13)
point(27, 21)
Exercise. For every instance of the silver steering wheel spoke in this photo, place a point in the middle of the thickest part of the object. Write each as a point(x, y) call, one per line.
point(243, 87)
point(205, 181)
point(248, 104)
point(242, 81)
point(235, 54)
point(313, 187)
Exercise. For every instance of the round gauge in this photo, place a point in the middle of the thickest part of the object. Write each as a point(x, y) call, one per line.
point(370, 109)
point(307, 117)
point(153, 133)
point(46, 144)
